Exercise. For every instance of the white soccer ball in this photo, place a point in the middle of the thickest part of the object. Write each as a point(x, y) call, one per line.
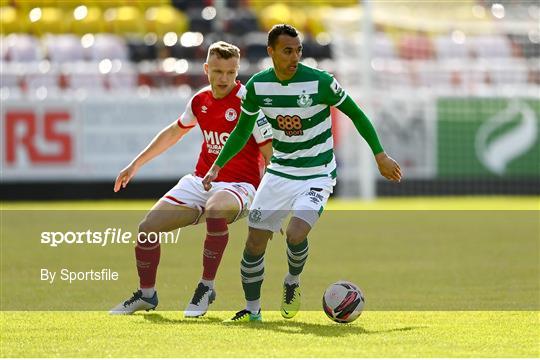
point(343, 301)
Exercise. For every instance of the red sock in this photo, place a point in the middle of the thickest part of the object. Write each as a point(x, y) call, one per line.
point(147, 263)
point(217, 236)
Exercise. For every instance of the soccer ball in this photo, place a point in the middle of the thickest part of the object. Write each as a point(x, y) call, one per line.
point(343, 301)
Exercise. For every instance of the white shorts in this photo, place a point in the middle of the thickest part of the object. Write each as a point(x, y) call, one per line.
point(277, 196)
point(190, 192)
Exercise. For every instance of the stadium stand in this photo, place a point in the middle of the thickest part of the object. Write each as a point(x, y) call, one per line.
point(52, 49)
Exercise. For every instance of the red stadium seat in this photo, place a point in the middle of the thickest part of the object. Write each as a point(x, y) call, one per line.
point(417, 46)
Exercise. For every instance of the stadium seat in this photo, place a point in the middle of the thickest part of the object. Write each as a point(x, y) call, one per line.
point(164, 19)
point(184, 52)
point(41, 75)
point(63, 48)
point(508, 71)
point(123, 79)
point(415, 47)
point(383, 47)
point(280, 13)
point(23, 48)
point(85, 76)
point(106, 4)
point(197, 23)
point(315, 19)
point(255, 46)
point(390, 73)
point(475, 76)
point(51, 20)
point(489, 46)
point(146, 4)
point(240, 22)
point(13, 20)
point(92, 23)
point(435, 74)
point(314, 50)
point(125, 20)
point(196, 80)
point(3, 48)
point(108, 46)
point(139, 50)
point(26, 5)
point(533, 76)
point(9, 75)
point(69, 5)
point(527, 48)
point(447, 48)
point(185, 5)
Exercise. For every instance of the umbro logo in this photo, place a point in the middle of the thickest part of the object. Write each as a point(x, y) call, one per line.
point(204, 109)
point(267, 101)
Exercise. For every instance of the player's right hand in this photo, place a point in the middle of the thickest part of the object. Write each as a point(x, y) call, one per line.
point(124, 177)
point(210, 176)
point(388, 167)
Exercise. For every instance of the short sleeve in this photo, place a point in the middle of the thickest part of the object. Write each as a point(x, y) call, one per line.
point(249, 99)
point(188, 119)
point(262, 131)
point(334, 93)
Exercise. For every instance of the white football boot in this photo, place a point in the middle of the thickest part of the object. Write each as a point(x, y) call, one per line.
point(200, 302)
point(136, 303)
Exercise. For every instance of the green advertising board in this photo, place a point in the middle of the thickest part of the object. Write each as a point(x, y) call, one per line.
point(488, 137)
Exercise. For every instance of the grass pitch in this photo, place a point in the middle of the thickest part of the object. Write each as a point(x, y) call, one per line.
point(310, 334)
point(484, 271)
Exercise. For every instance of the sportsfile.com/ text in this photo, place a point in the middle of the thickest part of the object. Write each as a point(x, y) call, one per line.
point(106, 237)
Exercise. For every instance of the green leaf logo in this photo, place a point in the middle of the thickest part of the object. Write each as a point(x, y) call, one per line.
point(500, 139)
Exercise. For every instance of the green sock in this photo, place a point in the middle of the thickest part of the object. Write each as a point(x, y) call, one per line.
point(252, 272)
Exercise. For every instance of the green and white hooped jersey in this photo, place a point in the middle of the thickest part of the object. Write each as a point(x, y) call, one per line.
point(299, 111)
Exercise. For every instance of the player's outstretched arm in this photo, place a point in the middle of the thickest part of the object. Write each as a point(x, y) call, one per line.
point(164, 140)
point(388, 167)
point(236, 142)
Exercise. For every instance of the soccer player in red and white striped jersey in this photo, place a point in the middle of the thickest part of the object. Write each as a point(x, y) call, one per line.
point(215, 109)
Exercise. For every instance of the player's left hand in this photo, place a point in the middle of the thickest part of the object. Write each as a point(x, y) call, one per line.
point(210, 176)
point(388, 167)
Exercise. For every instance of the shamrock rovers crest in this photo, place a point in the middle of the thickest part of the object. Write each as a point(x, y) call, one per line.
point(304, 100)
point(255, 215)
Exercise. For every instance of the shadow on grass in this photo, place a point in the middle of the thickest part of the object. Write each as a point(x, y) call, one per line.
point(290, 327)
point(159, 319)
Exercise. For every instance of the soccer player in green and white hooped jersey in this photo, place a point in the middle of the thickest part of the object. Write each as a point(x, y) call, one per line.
point(296, 99)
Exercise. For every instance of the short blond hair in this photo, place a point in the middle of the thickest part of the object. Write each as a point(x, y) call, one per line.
point(223, 50)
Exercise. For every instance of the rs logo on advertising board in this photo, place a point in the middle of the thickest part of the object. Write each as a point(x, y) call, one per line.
point(43, 138)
